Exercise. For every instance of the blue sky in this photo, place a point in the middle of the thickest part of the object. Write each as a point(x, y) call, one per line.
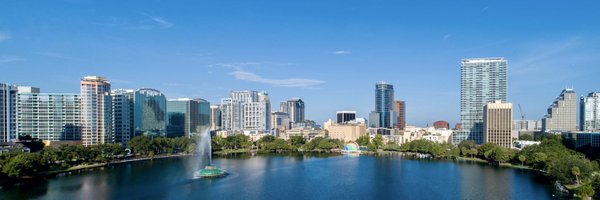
point(329, 53)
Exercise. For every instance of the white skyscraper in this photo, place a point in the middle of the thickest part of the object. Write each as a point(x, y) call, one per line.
point(562, 114)
point(246, 110)
point(483, 80)
point(8, 96)
point(590, 112)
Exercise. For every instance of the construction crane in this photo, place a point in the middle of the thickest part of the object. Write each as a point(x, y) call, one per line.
point(521, 111)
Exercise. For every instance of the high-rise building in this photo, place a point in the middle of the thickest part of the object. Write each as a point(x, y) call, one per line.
point(562, 114)
point(280, 121)
point(295, 108)
point(590, 112)
point(8, 97)
point(441, 125)
point(187, 117)
point(123, 115)
point(150, 113)
point(49, 116)
point(96, 111)
point(400, 109)
point(246, 110)
point(345, 116)
point(215, 117)
point(483, 80)
point(231, 115)
point(498, 124)
point(257, 115)
point(384, 106)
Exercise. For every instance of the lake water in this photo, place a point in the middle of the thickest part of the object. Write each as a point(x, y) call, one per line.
point(293, 177)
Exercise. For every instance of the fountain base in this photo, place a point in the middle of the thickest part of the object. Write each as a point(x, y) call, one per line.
point(210, 172)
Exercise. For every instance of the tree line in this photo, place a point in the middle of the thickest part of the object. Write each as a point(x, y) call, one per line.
point(17, 164)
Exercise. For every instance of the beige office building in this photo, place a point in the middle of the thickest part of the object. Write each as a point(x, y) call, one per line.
point(498, 123)
point(96, 109)
point(349, 131)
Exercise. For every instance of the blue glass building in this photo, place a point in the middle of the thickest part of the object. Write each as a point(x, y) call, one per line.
point(187, 117)
point(150, 113)
point(384, 105)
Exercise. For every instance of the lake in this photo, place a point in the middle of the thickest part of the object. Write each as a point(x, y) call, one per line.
point(293, 177)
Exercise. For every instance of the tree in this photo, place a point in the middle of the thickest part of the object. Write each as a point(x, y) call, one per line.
point(539, 160)
point(24, 164)
point(576, 172)
point(140, 144)
point(363, 140)
point(297, 141)
point(528, 137)
point(585, 191)
point(522, 158)
point(378, 141)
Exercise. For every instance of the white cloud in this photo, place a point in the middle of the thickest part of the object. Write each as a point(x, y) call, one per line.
point(446, 36)
point(9, 59)
point(292, 82)
point(485, 9)
point(163, 23)
point(4, 36)
point(342, 52)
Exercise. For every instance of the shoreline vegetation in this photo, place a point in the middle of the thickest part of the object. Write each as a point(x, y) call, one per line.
point(552, 159)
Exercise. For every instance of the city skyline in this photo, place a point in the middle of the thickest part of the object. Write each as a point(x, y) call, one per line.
point(133, 46)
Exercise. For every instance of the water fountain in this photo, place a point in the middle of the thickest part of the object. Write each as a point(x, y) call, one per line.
point(205, 158)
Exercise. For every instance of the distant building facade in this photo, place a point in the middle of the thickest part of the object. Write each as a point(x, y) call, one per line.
point(383, 116)
point(8, 97)
point(150, 113)
point(281, 122)
point(590, 112)
point(400, 109)
point(345, 116)
point(295, 108)
point(441, 125)
point(187, 117)
point(215, 117)
point(483, 80)
point(346, 131)
point(49, 116)
point(96, 111)
point(246, 111)
point(123, 115)
point(498, 124)
point(562, 114)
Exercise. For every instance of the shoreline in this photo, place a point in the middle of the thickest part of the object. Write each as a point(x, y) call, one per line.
point(99, 165)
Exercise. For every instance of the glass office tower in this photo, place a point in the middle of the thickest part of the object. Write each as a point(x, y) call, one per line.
point(150, 113)
point(483, 80)
point(384, 105)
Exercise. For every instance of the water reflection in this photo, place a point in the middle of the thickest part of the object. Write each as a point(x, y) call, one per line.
point(293, 176)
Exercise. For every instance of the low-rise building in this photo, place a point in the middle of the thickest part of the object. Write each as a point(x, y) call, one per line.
point(307, 133)
point(347, 131)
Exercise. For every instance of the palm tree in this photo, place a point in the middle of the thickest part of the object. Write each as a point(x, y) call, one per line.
point(575, 171)
point(522, 158)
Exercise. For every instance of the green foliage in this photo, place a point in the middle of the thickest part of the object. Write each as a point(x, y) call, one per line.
point(363, 140)
point(24, 164)
point(297, 141)
point(320, 143)
point(436, 150)
point(585, 190)
point(378, 141)
point(140, 144)
point(528, 137)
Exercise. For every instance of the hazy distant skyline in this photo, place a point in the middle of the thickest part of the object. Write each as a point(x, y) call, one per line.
point(331, 54)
